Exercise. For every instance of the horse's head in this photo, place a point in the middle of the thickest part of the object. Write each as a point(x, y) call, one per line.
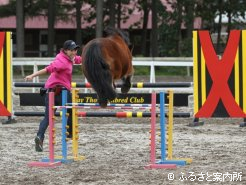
point(108, 31)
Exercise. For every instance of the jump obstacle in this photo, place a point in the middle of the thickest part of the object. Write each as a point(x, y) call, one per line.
point(53, 160)
point(166, 158)
point(166, 134)
point(34, 99)
point(166, 153)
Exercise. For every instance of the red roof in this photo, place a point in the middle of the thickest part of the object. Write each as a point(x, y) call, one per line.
point(40, 22)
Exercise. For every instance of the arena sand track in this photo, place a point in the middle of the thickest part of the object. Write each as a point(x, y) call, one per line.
point(117, 150)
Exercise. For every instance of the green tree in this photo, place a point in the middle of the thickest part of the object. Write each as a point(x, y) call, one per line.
point(170, 29)
point(112, 12)
point(51, 25)
point(78, 6)
point(176, 28)
point(146, 7)
point(20, 36)
point(154, 31)
point(56, 11)
point(99, 18)
point(208, 10)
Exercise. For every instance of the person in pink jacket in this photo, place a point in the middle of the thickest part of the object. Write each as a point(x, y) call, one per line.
point(60, 71)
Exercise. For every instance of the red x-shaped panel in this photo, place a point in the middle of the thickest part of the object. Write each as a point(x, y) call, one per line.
point(220, 71)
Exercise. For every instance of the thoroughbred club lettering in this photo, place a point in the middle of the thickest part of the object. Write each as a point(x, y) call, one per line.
point(34, 99)
point(126, 100)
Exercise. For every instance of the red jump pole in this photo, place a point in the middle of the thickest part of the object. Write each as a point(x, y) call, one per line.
point(51, 161)
point(153, 164)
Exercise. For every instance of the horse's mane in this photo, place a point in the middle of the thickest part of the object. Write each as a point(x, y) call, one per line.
point(108, 31)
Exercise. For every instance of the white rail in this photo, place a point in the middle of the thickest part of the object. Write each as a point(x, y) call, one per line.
point(139, 61)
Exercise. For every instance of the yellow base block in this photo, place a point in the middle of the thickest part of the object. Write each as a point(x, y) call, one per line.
point(188, 160)
point(79, 158)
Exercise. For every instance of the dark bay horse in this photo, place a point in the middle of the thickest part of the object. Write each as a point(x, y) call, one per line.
point(105, 60)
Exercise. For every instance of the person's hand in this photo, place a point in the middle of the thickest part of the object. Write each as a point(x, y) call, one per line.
point(29, 77)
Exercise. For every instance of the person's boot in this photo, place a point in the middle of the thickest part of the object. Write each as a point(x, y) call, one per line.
point(38, 144)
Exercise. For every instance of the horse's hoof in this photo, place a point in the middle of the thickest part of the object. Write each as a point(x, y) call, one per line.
point(103, 104)
point(125, 89)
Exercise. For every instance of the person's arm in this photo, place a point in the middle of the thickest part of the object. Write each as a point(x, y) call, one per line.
point(40, 72)
point(78, 60)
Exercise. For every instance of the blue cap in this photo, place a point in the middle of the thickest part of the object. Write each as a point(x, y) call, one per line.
point(70, 44)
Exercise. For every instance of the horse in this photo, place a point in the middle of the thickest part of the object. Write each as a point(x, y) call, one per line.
point(106, 60)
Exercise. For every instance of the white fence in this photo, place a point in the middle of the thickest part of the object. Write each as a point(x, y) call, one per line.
point(144, 61)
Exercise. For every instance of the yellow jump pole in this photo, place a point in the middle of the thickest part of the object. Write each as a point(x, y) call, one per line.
point(170, 132)
point(75, 125)
point(170, 126)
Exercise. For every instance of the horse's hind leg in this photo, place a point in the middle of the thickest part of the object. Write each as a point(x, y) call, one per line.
point(126, 84)
point(102, 102)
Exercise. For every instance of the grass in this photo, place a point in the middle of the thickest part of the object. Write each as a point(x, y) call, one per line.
point(138, 70)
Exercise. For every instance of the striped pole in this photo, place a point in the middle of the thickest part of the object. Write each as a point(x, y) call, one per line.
point(98, 107)
point(126, 114)
point(115, 114)
point(108, 114)
point(134, 85)
point(109, 105)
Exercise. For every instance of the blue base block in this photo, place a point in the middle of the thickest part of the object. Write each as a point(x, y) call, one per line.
point(195, 124)
point(177, 162)
point(57, 160)
point(243, 124)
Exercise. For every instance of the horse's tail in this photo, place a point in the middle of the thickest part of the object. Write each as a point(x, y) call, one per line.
point(97, 72)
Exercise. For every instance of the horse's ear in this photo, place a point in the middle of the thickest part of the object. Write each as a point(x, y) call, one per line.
point(108, 30)
point(126, 37)
point(104, 33)
point(131, 47)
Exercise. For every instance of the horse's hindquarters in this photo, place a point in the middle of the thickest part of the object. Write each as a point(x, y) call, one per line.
point(107, 59)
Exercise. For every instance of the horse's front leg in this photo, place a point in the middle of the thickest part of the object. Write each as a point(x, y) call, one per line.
point(126, 84)
point(102, 101)
point(114, 85)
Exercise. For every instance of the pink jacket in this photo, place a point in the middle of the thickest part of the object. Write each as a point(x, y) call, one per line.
point(61, 71)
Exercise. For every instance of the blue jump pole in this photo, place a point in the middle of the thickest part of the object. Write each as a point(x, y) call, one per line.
point(64, 124)
point(164, 160)
point(162, 126)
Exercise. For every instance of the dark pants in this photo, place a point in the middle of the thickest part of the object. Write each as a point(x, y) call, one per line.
point(45, 122)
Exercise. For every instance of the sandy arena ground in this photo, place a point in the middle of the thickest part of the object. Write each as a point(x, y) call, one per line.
point(117, 150)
